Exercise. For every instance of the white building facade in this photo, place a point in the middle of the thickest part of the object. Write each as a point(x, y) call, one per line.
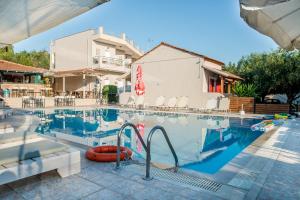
point(84, 61)
point(171, 71)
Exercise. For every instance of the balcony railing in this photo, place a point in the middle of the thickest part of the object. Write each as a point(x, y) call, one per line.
point(113, 63)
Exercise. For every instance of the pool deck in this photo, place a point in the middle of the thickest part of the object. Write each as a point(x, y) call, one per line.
point(156, 111)
point(267, 169)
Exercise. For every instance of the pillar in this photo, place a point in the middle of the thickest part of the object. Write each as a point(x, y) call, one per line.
point(84, 85)
point(222, 85)
point(229, 87)
point(64, 85)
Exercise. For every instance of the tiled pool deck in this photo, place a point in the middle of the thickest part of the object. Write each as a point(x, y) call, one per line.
point(267, 169)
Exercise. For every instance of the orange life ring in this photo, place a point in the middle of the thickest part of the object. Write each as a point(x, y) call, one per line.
point(107, 153)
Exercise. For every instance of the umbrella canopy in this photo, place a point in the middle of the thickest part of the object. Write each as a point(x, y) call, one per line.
point(21, 19)
point(139, 85)
point(278, 19)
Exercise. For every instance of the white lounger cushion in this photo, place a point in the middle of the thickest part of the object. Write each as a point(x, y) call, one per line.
point(172, 102)
point(29, 151)
point(182, 102)
point(160, 101)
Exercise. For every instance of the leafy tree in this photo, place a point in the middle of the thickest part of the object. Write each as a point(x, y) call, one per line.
point(274, 72)
point(33, 58)
point(287, 75)
point(109, 93)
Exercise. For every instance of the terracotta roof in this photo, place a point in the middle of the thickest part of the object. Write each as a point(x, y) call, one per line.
point(223, 73)
point(184, 50)
point(15, 67)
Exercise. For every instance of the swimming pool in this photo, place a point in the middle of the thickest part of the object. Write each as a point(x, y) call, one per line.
point(202, 143)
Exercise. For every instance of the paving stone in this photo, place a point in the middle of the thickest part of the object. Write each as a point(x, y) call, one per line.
point(106, 194)
point(275, 168)
point(7, 193)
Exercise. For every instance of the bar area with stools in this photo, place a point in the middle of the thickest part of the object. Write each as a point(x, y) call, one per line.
point(18, 80)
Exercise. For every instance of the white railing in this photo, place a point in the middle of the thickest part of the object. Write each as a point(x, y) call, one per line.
point(113, 61)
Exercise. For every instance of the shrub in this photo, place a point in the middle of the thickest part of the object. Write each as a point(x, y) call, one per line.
point(244, 90)
point(109, 93)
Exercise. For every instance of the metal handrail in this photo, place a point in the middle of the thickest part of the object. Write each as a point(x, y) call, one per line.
point(148, 158)
point(119, 140)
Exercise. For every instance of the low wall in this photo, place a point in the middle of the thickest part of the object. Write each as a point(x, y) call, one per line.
point(271, 108)
point(237, 102)
point(49, 102)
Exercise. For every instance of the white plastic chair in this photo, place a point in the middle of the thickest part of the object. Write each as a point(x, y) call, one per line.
point(224, 105)
point(159, 102)
point(171, 103)
point(182, 103)
point(131, 101)
point(140, 102)
point(211, 104)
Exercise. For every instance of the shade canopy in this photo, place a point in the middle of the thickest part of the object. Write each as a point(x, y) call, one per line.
point(278, 19)
point(21, 19)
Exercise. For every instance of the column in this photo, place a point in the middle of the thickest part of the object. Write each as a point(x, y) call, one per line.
point(222, 85)
point(64, 85)
point(229, 87)
point(84, 85)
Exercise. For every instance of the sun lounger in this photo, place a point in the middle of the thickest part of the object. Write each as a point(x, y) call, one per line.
point(140, 102)
point(21, 160)
point(171, 104)
point(130, 102)
point(159, 103)
point(223, 105)
point(182, 103)
point(211, 105)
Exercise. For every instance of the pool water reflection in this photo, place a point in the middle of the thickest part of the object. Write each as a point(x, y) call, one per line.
point(202, 143)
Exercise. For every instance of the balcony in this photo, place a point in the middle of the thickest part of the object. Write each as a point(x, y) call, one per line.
point(115, 64)
point(121, 41)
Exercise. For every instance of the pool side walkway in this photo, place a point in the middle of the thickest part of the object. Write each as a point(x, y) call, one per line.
point(99, 181)
point(271, 171)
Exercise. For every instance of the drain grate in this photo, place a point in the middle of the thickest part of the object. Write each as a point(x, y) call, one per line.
point(180, 177)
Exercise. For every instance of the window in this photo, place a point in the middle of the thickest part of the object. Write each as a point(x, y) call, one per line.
point(214, 84)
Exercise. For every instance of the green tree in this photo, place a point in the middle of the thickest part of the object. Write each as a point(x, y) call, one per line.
point(33, 58)
point(274, 72)
point(287, 74)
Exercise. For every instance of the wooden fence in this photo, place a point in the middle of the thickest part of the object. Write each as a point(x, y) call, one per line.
point(271, 108)
point(237, 102)
point(251, 107)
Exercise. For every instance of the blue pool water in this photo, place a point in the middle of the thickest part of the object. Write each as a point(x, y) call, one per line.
point(202, 143)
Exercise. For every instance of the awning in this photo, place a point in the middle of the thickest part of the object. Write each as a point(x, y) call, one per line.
point(223, 73)
point(77, 72)
point(21, 19)
point(278, 19)
point(124, 76)
point(15, 67)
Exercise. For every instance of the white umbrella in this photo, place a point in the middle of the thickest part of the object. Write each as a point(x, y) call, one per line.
point(21, 19)
point(278, 19)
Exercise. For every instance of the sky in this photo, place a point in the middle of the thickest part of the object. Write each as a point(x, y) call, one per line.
point(209, 27)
